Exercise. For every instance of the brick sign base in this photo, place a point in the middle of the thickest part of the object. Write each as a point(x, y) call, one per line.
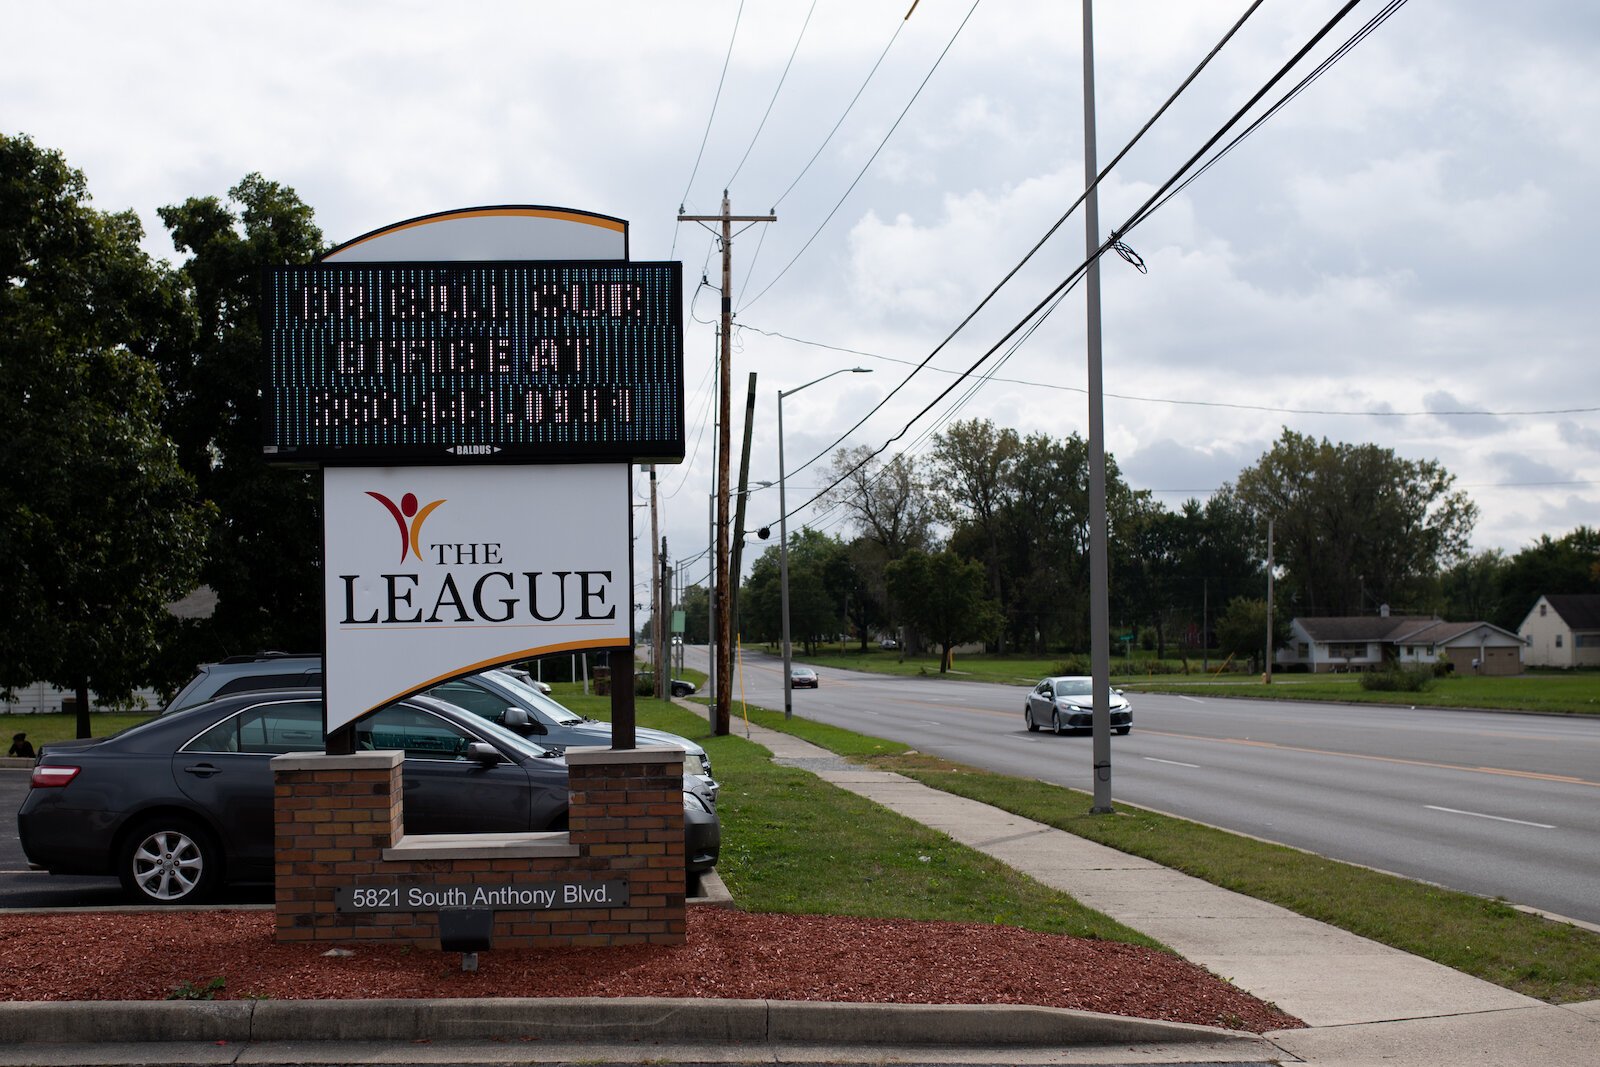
point(346, 871)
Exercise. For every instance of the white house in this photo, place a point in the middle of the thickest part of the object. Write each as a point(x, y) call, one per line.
point(1563, 631)
point(1369, 642)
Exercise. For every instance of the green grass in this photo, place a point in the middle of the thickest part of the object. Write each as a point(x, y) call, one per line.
point(793, 843)
point(1560, 692)
point(1569, 693)
point(1486, 938)
point(62, 727)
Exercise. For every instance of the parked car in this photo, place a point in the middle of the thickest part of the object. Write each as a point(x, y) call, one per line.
point(802, 678)
point(501, 697)
point(1066, 702)
point(179, 804)
point(680, 687)
point(488, 694)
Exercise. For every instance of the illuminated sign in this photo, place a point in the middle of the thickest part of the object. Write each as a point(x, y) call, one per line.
point(494, 361)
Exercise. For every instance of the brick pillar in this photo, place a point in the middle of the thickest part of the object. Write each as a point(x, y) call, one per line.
point(627, 808)
point(334, 816)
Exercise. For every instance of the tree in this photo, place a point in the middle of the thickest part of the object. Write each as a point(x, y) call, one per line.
point(1242, 629)
point(1356, 525)
point(942, 596)
point(100, 526)
point(814, 612)
point(263, 557)
point(1470, 590)
point(971, 486)
point(1566, 564)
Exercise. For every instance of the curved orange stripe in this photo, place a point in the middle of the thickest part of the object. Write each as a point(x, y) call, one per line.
point(416, 527)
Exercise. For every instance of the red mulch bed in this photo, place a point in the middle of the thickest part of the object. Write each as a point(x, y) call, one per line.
point(729, 955)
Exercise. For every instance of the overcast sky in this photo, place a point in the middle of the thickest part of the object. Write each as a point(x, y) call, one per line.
point(1410, 236)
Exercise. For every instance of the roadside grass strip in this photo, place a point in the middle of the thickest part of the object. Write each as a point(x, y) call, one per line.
point(792, 843)
point(1488, 939)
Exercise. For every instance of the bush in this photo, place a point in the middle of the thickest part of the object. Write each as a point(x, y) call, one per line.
point(1398, 680)
point(1073, 666)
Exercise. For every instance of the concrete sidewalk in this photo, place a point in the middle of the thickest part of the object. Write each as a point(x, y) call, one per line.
point(1366, 1003)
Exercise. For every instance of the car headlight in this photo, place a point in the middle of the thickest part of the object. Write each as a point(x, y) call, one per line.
point(694, 800)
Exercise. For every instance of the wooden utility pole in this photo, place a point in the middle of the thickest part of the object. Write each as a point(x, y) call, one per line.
point(723, 638)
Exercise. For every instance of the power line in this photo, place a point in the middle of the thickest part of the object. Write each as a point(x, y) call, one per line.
point(781, 78)
point(1110, 242)
point(684, 199)
point(1364, 412)
point(1128, 147)
point(846, 195)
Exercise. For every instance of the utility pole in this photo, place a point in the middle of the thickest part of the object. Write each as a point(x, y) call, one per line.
point(657, 593)
point(1267, 677)
point(664, 631)
point(736, 562)
point(723, 638)
point(1099, 568)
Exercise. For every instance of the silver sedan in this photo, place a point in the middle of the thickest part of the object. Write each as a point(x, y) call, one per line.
point(1066, 702)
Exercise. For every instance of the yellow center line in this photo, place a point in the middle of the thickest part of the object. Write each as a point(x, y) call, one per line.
point(1505, 771)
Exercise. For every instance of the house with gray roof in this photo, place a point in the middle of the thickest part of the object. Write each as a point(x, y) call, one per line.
point(1372, 642)
point(1563, 630)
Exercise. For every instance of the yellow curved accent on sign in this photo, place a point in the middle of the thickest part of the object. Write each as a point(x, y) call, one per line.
point(496, 661)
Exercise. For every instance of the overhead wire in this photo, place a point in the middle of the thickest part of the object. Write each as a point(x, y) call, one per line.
point(1051, 231)
point(766, 114)
point(1116, 235)
point(870, 159)
point(1376, 413)
point(721, 80)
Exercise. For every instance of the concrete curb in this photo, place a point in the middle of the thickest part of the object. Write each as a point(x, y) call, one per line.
point(590, 1020)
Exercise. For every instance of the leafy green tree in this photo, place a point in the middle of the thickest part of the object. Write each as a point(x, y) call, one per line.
point(1242, 629)
point(100, 526)
point(264, 552)
point(1356, 524)
point(970, 486)
point(1470, 589)
point(1566, 564)
point(696, 608)
point(814, 612)
point(943, 596)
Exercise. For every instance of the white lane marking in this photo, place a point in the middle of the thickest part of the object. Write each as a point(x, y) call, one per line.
point(1173, 762)
point(1496, 818)
point(1192, 700)
point(929, 722)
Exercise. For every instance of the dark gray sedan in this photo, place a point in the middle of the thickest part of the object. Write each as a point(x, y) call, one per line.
point(1066, 702)
point(177, 805)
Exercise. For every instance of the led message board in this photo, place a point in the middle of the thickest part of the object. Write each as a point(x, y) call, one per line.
point(497, 361)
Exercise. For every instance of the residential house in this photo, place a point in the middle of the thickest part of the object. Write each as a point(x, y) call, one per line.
point(1371, 642)
point(1563, 631)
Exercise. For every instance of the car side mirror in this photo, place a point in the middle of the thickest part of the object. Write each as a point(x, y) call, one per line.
point(484, 753)
point(515, 719)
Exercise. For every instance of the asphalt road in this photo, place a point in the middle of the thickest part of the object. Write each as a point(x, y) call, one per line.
point(1495, 804)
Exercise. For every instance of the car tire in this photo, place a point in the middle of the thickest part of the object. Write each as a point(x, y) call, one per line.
point(1055, 720)
point(1027, 717)
point(170, 860)
point(1123, 729)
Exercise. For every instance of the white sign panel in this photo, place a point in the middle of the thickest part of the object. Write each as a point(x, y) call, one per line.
point(432, 572)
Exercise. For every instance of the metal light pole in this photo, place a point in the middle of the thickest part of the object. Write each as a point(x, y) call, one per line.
point(1099, 571)
point(783, 533)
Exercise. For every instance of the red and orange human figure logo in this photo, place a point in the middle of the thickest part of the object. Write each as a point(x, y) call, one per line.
point(409, 518)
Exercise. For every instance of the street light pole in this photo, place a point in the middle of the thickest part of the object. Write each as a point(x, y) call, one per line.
point(783, 534)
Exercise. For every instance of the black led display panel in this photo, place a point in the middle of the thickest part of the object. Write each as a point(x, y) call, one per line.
point(501, 361)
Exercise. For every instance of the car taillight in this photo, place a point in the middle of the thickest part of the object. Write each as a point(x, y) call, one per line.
point(53, 777)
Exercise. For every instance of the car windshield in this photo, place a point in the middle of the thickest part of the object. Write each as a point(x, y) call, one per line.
point(503, 737)
point(537, 701)
point(1073, 687)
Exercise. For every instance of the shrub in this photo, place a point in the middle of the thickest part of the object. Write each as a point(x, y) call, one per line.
point(1398, 680)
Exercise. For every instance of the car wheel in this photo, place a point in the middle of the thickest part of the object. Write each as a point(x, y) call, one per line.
point(1027, 717)
point(1123, 729)
point(1055, 720)
point(170, 860)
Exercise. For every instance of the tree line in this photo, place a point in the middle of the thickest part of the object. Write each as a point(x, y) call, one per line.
point(130, 389)
point(986, 538)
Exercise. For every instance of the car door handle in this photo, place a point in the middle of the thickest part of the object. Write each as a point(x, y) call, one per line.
point(202, 770)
